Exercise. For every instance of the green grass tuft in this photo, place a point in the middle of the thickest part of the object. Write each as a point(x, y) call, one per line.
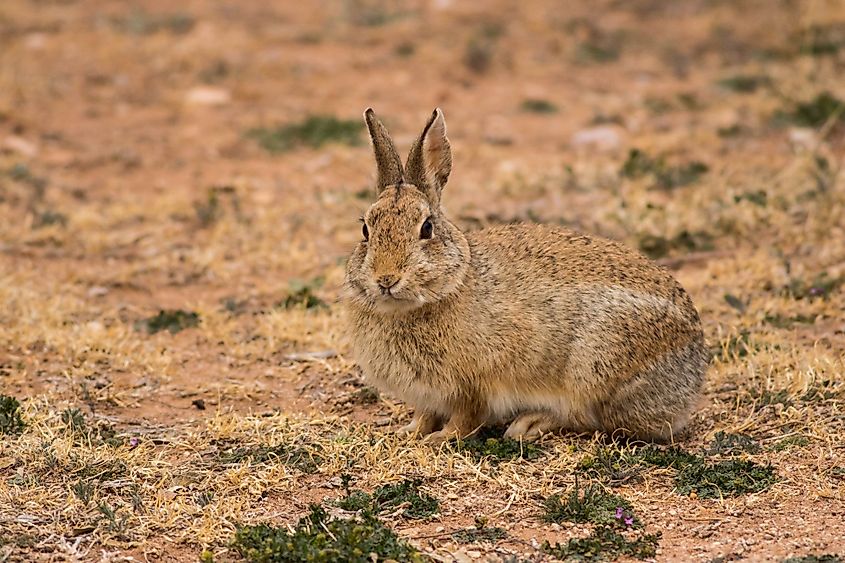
point(172, 320)
point(730, 444)
point(314, 131)
point(481, 533)
point(725, 478)
point(390, 497)
point(820, 287)
point(536, 105)
point(10, 416)
point(292, 456)
point(320, 538)
point(639, 164)
point(301, 295)
point(604, 543)
point(592, 504)
point(817, 112)
point(743, 83)
point(827, 558)
point(656, 246)
point(488, 443)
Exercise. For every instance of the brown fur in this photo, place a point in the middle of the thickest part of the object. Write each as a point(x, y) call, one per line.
point(540, 324)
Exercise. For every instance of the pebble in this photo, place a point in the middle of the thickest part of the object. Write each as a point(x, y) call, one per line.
point(207, 96)
point(13, 143)
point(603, 137)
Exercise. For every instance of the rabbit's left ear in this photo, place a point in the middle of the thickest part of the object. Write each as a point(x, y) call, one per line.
point(430, 160)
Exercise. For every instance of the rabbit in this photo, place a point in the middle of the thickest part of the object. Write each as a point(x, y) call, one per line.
point(533, 325)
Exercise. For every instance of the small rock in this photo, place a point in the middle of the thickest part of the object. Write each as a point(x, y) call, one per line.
point(199, 404)
point(474, 554)
point(603, 137)
point(802, 137)
point(207, 96)
point(98, 291)
point(439, 529)
point(13, 143)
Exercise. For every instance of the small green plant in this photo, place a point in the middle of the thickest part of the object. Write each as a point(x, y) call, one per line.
point(49, 217)
point(317, 537)
point(74, 421)
point(816, 112)
point(10, 416)
point(759, 198)
point(639, 164)
point(115, 521)
point(481, 533)
point(820, 40)
point(737, 346)
point(827, 558)
point(481, 48)
point(780, 321)
point(389, 497)
point(488, 443)
point(172, 320)
point(735, 302)
point(314, 131)
point(730, 444)
point(794, 441)
point(138, 22)
point(605, 543)
point(301, 295)
point(820, 287)
point(84, 491)
point(592, 504)
point(656, 246)
point(725, 478)
point(293, 456)
point(537, 105)
point(744, 83)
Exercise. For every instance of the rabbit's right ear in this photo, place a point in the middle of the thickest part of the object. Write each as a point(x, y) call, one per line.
point(388, 163)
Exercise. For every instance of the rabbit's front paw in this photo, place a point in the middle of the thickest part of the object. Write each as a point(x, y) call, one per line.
point(422, 424)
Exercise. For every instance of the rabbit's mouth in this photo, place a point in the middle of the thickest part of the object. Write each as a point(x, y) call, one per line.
point(390, 302)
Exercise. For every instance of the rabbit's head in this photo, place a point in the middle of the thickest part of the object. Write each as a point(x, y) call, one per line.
point(410, 255)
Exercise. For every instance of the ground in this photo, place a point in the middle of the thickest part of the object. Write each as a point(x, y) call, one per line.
point(207, 157)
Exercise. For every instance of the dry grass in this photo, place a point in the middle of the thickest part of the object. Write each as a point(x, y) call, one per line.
point(121, 195)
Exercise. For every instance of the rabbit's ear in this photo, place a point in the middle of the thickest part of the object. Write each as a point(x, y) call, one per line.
point(430, 160)
point(388, 163)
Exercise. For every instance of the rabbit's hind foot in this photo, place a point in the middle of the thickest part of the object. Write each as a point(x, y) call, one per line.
point(532, 425)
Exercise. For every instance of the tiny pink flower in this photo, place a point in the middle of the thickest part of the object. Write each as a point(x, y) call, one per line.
point(619, 512)
point(629, 520)
point(133, 442)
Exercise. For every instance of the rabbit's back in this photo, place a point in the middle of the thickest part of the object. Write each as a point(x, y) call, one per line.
point(602, 321)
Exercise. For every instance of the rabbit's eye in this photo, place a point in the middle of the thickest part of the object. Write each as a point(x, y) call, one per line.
point(426, 229)
point(366, 232)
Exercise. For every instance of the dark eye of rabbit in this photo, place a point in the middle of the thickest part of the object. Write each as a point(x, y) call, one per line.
point(366, 232)
point(426, 229)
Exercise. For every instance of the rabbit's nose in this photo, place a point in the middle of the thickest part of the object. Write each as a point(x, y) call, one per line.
point(387, 281)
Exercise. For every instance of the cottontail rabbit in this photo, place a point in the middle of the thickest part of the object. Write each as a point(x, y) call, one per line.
point(535, 325)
